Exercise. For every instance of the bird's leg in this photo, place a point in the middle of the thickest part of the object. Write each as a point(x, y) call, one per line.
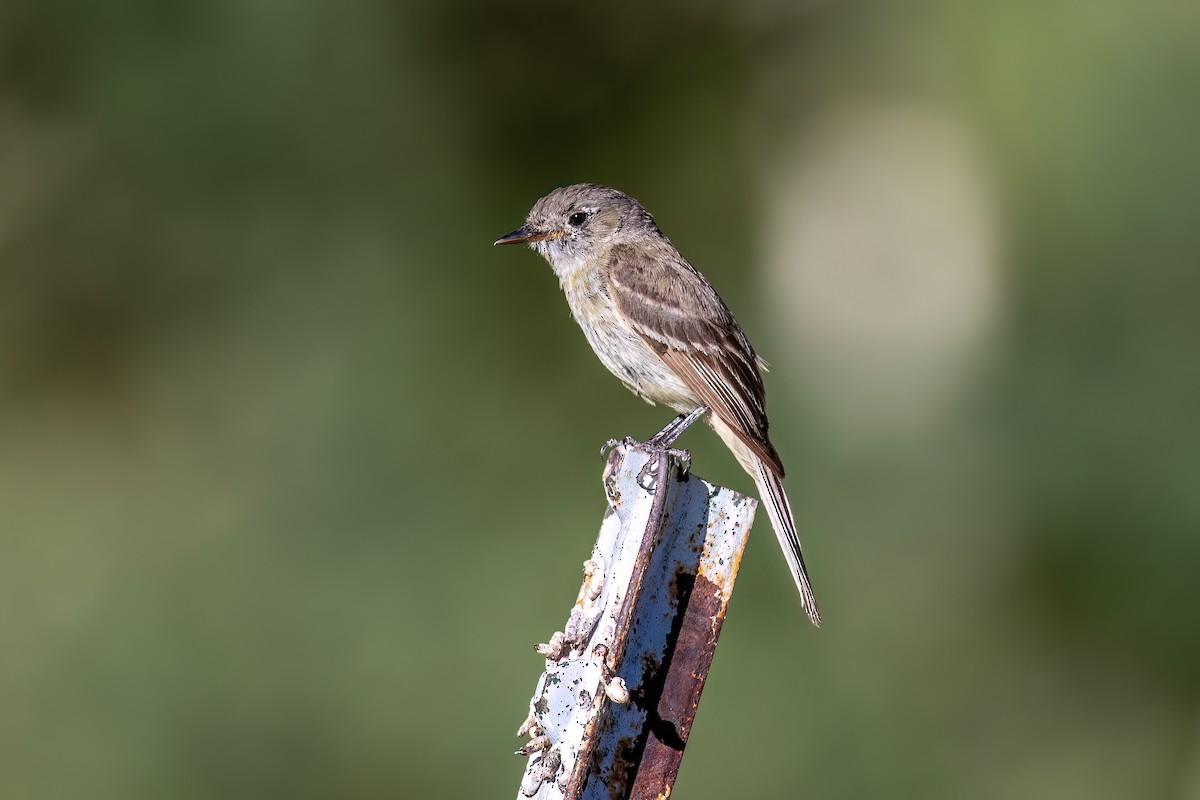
point(675, 428)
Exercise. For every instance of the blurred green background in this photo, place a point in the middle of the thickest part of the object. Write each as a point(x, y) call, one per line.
point(295, 468)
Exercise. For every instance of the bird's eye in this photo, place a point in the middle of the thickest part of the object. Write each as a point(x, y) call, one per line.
point(577, 219)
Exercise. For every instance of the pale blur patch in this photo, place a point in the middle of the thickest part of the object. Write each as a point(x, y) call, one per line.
point(880, 250)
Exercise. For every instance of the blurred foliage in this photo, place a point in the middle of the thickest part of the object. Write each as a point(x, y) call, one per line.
point(294, 468)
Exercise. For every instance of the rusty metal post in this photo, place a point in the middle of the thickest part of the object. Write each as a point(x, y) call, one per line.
point(612, 713)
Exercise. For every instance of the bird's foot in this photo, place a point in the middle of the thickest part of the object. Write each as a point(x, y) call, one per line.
point(658, 446)
point(612, 444)
point(646, 477)
point(681, 460)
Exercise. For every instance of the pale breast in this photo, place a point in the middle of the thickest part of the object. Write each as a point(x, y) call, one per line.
point(620, 349)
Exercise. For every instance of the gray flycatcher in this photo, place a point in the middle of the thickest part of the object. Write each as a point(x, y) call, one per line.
point(659, 326)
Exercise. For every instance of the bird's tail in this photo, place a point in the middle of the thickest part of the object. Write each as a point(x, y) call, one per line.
point(770, 490)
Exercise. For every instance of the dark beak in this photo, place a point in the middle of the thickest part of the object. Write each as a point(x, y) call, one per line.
point(526, 234)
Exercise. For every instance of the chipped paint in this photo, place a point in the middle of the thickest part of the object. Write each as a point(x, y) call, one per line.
point(642, 632)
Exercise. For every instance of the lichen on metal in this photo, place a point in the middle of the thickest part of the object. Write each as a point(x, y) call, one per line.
point(615, 704)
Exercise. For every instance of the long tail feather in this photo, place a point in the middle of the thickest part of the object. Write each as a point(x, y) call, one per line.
point(770, 489)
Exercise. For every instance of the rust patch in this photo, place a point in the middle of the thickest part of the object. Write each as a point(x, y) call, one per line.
point(669, 693)
point(686, 671)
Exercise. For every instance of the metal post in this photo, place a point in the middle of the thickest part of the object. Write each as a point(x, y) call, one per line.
point(612, 713)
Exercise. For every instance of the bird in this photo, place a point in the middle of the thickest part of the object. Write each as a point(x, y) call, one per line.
point(661, 328)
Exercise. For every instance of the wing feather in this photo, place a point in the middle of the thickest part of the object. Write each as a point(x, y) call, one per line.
point(681, 317)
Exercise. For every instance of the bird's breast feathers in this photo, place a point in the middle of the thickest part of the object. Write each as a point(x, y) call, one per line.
point(618, 347)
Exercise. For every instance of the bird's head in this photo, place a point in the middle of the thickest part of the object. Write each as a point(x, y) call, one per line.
point(575, 224)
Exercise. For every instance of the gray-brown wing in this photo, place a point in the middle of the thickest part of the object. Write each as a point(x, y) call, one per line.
point(675, 311)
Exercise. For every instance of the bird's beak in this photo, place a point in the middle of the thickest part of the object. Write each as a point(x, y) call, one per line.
point(526, 234)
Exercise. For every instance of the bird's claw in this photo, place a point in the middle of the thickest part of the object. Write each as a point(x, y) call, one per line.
point(657, 446)
point(682, 459)
point(612, 444)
